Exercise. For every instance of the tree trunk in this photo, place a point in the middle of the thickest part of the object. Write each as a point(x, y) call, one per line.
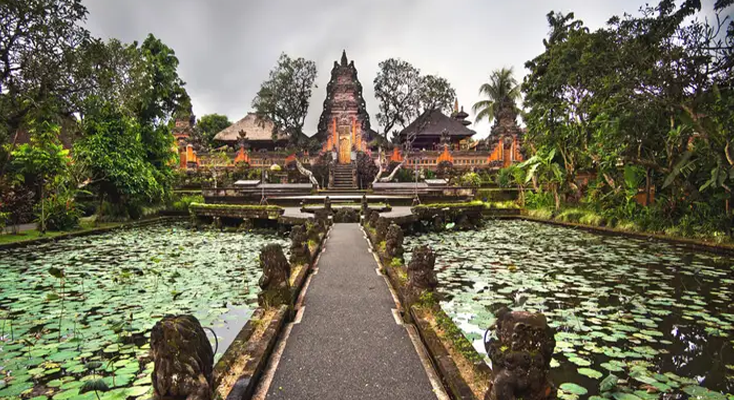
point(647, 186)
point(43, 211)
point(556, 197)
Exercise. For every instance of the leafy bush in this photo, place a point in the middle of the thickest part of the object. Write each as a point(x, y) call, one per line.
point(59, 212)
point(541, 213)
point(539, 199)
point(182, 204)
point(570, 215)
point(470, 179)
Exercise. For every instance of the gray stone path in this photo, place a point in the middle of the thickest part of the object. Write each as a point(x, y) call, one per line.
point(348, 344)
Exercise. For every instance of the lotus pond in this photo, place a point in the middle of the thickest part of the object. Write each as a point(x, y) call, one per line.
point(82, 309)
point(634, 319)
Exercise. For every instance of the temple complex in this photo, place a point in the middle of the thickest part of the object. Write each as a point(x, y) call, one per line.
point(344, 125)
point(344, 130)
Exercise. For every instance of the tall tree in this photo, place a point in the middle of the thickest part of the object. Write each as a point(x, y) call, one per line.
point(211, 124)
point(501, 89)
point(436, 93)
point(397, 88)
point(39, 40)
point(284, 97)
point(112, 150)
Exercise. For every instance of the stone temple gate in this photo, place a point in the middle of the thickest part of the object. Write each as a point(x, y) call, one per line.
point(344, 125)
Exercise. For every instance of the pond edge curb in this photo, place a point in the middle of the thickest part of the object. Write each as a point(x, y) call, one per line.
point(690, 244)
point(259, 352)
point(444, 365)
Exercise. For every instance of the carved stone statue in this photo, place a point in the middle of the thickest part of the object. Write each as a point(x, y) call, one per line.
point(327, 204)
point(364, 204)
point(394, 241)
point(381, 229)
point(374, 216)
point(521, 356)
point(183, 359)
point(306, 173)
point(300, 254)
point(346, 215)
point(421, 276)
point(274, 282)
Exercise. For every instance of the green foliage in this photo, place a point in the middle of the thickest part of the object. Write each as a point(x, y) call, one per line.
point(211, 124)
point(396, 90)
point(470, 179)
point(39, 46)
point(646, 101)
point(42, 158)
point(539, 199)
point(403, 94)
point(60, 212)
point(117, 158)
point(436, 93)
point(284, 97)
point(182, 204)
point(502, 89)
point(431, 206)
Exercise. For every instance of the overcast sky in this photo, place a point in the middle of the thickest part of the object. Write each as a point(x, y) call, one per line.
point(227, 47)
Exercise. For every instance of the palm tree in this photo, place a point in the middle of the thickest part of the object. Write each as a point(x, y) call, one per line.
point(502, 88)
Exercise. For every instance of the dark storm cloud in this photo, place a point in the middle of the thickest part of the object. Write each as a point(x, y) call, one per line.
point(226, 48)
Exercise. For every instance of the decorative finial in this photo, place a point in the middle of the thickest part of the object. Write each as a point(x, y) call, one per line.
point(456, 105)
point(344, 58)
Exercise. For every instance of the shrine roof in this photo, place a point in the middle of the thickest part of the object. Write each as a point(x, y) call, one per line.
point(255, 128)
point(433, 123)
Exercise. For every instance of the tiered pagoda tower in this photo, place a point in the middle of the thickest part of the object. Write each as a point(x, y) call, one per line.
point(344, 125)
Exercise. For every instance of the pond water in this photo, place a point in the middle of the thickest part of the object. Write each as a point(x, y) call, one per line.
point(83, 308)
point(658, 317)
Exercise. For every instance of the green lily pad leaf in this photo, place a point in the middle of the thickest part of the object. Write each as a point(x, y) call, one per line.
point(624, 396)
point(94, 385)
point(573, 388)
point(608, 383)
point(591, 373)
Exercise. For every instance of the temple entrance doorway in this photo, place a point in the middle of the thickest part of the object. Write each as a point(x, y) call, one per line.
point(345, 150)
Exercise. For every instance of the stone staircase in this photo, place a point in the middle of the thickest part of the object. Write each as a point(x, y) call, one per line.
point(343, 177)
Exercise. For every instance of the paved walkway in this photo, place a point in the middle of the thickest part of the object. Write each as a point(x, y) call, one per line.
point(348, 345)
point(21, 228)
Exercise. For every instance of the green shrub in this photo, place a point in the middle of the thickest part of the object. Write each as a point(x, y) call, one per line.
point(182, 204)
point(570, 215)
point(541, 213)
point(591, 218)
point(470, 179)
point(59, 212)
point(539, 199)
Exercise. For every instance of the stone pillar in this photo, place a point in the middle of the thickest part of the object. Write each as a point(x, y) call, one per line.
point(300, 253)
point(274, 282)
point(327, 204)
point(216, 223)
point(183, 359)
point(381, 229)
point(365, 205)
point(366, 216)
point(521, 355)
point(394, 241)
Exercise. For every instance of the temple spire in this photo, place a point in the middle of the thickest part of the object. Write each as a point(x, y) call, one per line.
point(344, 58)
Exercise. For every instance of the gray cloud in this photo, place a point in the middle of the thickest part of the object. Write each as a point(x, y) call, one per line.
point(226, 48)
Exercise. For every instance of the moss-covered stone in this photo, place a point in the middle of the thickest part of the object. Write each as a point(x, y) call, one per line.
point(274, 282)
